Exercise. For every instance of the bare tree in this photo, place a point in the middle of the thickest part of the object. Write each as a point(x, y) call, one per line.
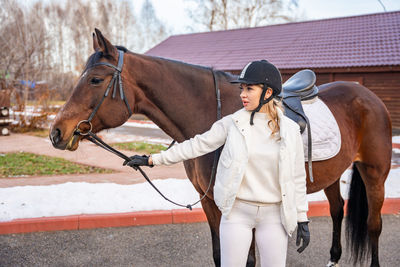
point(50, 41)
point(151, 28)
point(231, 14)
point(23, 40)
point(119, 23)
point(24, 43)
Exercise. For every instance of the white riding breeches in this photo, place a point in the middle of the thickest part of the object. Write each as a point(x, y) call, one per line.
point(236, 233)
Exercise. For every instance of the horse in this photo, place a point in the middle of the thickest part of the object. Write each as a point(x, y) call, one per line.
point(180, 99)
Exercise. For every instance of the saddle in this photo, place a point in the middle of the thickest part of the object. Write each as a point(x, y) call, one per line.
point(300, 87)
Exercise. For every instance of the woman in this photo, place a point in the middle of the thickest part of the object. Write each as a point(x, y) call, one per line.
point(261, 181)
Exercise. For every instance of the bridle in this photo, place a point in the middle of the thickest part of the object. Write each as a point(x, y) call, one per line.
point(115, 81)
point(88, 134)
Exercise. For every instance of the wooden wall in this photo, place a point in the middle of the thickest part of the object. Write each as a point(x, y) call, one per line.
point(387, 87)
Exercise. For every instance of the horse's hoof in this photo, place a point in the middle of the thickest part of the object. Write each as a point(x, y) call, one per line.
point(332, 264)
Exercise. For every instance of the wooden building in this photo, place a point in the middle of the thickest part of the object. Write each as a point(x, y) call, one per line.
point(363, 49)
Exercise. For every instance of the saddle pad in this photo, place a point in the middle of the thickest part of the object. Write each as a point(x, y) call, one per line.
point(325, 133)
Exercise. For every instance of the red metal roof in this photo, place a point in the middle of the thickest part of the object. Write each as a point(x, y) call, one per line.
point(366, 40)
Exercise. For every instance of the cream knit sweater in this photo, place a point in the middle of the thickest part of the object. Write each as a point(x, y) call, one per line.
point(260, 183)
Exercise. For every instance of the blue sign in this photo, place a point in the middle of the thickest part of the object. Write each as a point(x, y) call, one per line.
point(30, 84)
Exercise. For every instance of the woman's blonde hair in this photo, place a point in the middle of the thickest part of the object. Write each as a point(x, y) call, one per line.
point(271, 109)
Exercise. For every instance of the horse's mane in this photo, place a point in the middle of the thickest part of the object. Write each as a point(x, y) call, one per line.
point(93, 59)
point(229, 76)
point(96, 56)
point(122, 48)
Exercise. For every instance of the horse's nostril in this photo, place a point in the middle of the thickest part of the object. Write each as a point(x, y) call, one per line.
point(55, 136)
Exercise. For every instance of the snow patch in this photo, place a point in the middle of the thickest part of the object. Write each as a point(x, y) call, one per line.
point(93, 198)
point(141, 125)
point(396, 139)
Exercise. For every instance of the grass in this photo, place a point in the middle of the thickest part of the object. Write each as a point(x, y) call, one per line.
point(140, 147)
point(28, 164)
point(57, 102)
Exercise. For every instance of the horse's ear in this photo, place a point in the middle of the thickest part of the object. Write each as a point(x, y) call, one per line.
point(96, 46)
point(105, 46)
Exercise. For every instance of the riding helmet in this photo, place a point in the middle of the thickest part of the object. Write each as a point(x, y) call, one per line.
point(261, 72)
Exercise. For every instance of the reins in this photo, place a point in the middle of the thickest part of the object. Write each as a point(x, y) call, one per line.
point(92, 137)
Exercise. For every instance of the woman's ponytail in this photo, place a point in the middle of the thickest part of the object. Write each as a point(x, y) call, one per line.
point(271, 109)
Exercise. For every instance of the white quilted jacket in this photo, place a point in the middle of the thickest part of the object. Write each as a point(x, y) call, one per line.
point(232, 131)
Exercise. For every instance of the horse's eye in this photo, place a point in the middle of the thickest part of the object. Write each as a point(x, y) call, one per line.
point(96, 80)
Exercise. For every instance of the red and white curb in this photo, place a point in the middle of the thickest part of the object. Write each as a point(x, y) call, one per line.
point(79, 222)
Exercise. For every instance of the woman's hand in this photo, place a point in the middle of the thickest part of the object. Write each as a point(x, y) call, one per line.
point(302, 233)
point(137, 161)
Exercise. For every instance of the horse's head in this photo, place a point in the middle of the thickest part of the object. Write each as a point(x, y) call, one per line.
point(80, 111)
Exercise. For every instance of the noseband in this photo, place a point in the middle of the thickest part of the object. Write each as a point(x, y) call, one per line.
point(115, 81)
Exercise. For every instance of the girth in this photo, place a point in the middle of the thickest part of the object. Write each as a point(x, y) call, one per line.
point(299, 87)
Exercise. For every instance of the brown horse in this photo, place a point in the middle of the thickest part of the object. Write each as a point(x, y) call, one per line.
point(180, 99)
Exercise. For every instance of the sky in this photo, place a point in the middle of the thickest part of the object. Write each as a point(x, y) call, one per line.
point(173, 12)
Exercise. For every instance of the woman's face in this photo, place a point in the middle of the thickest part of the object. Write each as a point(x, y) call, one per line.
point(251, 94)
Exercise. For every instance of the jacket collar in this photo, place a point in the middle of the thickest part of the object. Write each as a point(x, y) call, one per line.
point(241, 118)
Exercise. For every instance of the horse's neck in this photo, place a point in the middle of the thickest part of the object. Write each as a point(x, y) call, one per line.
point(179, 98)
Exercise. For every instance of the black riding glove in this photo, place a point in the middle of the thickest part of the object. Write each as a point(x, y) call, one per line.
point(137, 161)
point(302, 233)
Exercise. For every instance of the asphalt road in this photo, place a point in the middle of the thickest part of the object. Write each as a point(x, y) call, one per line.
point(165, 245)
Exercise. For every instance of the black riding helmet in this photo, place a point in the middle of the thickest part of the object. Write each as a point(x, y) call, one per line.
point(261, 72)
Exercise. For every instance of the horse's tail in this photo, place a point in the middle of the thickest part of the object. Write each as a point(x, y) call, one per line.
point(356, 221)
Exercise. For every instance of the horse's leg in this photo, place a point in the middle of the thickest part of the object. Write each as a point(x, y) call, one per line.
point(251, 260)
point(336, 204)
point(374, 178)
point(373, 165)
point(214, 217)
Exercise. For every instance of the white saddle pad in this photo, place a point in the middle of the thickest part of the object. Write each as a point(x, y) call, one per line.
point(325, 131)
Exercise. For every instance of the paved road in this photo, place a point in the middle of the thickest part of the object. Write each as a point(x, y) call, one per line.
point(164, 245)
point(147, 132)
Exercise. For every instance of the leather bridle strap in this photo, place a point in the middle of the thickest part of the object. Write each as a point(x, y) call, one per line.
point(113, 84)
point(115, 81)
point(218, 95)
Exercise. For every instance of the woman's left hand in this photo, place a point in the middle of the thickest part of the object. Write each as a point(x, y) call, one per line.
point(302, 233)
